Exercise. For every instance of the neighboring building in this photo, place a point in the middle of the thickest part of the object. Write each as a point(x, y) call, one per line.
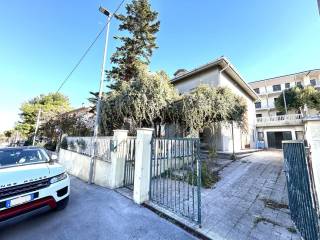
point(273, 126)
point(222, 73)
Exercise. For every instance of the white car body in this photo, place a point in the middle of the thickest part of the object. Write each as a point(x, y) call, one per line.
point(24, 188)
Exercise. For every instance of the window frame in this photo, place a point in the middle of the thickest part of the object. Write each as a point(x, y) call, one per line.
point(275, 87)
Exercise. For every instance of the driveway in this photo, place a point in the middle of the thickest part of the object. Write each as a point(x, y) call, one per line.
point(93, 213)
point(250, 201)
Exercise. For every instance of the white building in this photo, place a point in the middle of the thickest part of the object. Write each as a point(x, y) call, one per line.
point(274, 126)
point(222, 73)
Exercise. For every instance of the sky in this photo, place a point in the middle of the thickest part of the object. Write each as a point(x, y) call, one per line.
point(41, 41)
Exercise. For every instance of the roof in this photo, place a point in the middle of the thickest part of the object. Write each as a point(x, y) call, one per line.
point(287, 75)
point(222, 63)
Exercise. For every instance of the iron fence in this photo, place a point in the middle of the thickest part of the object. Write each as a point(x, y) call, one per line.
point(176, 176)
point(84, 145)
point(129, 148)
point(303, 202)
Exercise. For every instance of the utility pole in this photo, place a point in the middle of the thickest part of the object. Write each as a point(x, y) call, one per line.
point(97, 120)
point(284, 100)
point(36, 129)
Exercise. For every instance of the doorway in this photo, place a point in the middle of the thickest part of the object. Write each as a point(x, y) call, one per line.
point(275, 138)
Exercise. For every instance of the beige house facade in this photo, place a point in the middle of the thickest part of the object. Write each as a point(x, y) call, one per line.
point(221, 73)
point(274, 126)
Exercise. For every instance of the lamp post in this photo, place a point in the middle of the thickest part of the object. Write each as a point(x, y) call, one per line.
point(36, 128)
point(97, 120)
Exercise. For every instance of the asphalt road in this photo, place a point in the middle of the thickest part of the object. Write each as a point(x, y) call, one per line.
point(93, 213)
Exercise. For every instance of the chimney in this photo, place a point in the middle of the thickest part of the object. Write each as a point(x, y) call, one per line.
point(180, 72)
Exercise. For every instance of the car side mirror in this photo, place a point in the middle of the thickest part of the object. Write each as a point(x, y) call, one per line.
point(54, 157)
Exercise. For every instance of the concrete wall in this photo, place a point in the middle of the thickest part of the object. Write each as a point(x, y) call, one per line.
point(313, 137)
point(209, 77)
point(248, 138)
point(78, 165)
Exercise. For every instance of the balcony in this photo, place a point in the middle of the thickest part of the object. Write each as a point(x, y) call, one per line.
point(282, 120)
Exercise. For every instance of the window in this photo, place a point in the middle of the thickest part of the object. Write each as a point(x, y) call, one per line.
point(279, 113)
point(276, 87)
point(274, 100)
point(287, 85)
point(257, 90)
point(298, 84)
point(259, 115)
point(258, 104)
point(313, 82)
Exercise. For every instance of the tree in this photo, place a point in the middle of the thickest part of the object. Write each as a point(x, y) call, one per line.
point(206, 106)
point(297, 97)
point(51, 105)
point(138, 45)
point(8, 133)
point(138, 103)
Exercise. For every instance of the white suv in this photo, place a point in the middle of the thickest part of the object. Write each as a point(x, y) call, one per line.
point(29, 179)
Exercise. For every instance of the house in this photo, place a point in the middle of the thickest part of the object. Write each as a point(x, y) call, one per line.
point(274, 126)
point(221, 73)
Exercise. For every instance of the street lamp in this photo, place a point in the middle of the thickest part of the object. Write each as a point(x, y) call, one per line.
point(97, 120)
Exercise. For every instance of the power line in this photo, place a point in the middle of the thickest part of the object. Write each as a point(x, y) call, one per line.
point(89, 48)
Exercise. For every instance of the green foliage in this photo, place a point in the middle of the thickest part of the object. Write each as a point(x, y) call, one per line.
point(70, 124)
point(72, 145)
point(206, 106)
point(51, 145)
point(8, 133)
point(82, 144)
point(208, 178)
point(141, 102)
point(64, 143)
point(140, 24)
point(50, 105)
point(297, 97)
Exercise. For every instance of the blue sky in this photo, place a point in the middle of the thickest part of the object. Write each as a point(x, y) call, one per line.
point(41, 40)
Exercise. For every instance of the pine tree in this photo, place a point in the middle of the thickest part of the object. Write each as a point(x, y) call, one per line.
point(137, 47)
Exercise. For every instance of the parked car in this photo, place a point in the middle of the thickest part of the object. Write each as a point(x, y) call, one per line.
point(30, 179)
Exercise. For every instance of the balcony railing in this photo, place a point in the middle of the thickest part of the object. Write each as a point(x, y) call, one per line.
point(280, 120)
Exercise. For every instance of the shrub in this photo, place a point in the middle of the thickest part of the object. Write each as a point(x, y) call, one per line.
point(72, 145)
point(64, 143)
point(82, 144)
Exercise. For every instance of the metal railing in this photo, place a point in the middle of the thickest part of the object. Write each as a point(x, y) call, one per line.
point(280, 118)
point(84, 145)
point(129, 148)
point(176, 176)
point(303, 202)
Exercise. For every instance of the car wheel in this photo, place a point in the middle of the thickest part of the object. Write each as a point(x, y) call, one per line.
point(62, 204)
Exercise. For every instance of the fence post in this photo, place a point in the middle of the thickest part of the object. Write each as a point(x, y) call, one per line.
point(118, 157)
point(142, 165)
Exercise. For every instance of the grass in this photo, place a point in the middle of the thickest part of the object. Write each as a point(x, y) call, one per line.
point(259, 219)
point(273, 204)
point(208, 178)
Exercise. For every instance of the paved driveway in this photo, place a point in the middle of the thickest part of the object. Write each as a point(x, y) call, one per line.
point(249, 202)
point(93, 213)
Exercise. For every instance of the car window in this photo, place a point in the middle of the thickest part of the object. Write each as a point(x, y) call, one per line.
point(11, 157)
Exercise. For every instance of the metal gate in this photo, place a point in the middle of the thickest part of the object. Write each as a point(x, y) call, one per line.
point(176, 176)
point(303, 202)
point(130, 147)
